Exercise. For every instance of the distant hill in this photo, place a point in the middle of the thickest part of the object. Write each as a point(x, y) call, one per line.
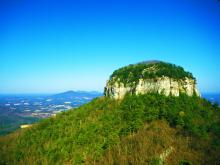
point(72, 94)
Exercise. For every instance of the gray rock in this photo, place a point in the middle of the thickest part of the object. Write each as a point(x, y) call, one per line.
point(162, 85)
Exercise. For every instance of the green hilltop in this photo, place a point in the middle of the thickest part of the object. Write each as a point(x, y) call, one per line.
point(148, 70)
point(143, 129)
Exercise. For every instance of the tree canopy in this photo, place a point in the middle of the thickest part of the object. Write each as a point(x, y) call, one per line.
point(103, 129)
point(132, 73)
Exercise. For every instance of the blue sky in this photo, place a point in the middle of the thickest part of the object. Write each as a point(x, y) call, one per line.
point(53, 46)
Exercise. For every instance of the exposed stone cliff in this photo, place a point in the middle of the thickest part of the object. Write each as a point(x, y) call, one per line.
point(151, 77)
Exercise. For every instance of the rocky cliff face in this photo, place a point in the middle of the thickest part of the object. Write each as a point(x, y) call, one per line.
point(116, 88)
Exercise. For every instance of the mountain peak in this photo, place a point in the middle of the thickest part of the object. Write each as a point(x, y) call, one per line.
point(151, 76)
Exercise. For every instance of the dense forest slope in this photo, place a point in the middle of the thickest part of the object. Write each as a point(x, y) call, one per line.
point(120, 132)
point(149, 128)
point(9, 122)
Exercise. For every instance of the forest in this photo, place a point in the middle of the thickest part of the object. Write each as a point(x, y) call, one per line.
point(135, 130)
point(134, 72)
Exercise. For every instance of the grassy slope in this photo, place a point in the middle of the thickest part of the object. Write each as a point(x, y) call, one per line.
point(134, 131)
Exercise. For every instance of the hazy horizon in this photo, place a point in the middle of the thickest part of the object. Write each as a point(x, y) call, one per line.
point(58, 92)
point(49, 93)
point(56, 46)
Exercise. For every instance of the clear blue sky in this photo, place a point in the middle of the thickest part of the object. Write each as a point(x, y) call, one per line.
point(58, 45)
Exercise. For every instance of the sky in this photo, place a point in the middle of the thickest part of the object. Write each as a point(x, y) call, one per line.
point(50, 46)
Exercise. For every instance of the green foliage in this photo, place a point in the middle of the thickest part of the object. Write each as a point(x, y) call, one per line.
point(185, 162)
point(11, 122)
point(85, 134)
point(155, 161)
point(132, 73)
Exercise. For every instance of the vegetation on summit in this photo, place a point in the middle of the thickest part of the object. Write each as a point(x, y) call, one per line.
point(132, 73)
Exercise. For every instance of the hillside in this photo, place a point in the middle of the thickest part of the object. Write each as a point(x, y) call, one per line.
point(149, 128)
point(18, 109)
point(105, 127)
point(9, 122)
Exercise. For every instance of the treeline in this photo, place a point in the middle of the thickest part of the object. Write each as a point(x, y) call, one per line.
point(107, 130)
point(9, 122)
point(132, 73)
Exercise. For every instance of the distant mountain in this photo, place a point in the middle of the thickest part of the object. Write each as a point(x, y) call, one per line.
point(72, 94)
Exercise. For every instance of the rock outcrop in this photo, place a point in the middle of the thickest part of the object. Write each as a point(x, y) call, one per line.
point(121, 82)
